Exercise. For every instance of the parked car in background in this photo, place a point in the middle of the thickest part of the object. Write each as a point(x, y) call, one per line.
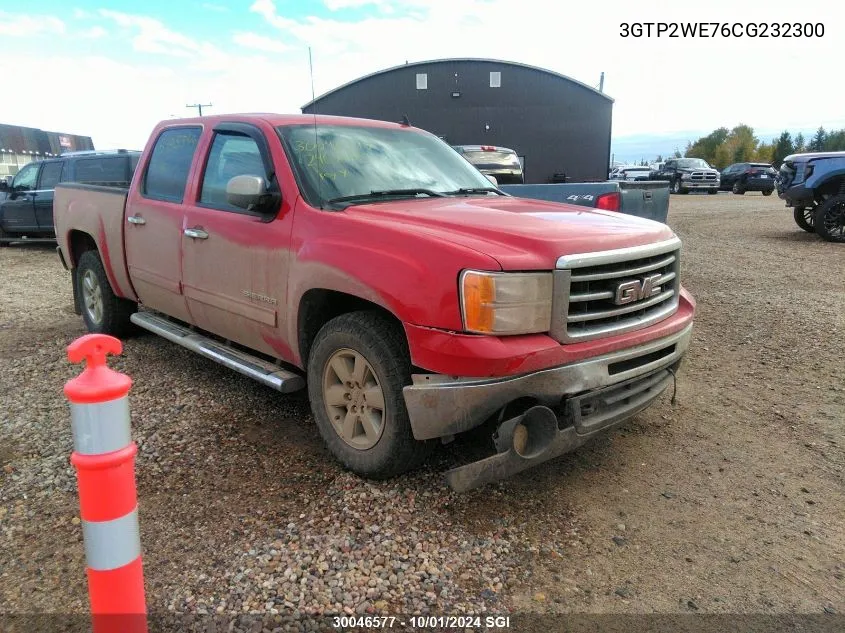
point(26, 211)
point(813, 185)
point(655, 169)
point(500, 162)
point(414, 301)
point(689, 174)
point(631, 173)
point(742, 177)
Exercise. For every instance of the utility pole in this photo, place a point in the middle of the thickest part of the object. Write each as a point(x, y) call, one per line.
point(601, 83)
point(199, 106)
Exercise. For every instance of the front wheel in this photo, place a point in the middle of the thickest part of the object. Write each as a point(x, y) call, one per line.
point(713, 192)
point(676, 186)
point(829, 220)
point(357, 368)
point(803, 217)
point(767, 192)
point(102, 310)
point(738, 189)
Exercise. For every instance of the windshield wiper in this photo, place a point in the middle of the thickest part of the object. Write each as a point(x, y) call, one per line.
point(385, 193)
point(470, 190)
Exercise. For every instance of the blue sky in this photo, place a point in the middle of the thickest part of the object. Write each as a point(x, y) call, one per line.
point(112, 69)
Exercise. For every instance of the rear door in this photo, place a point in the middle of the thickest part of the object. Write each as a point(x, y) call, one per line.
point(50, 176)
point(234, 262)
point(153, 222)
point(18, 212)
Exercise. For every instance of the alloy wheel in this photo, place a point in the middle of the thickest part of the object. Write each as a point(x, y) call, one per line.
point(354, 399)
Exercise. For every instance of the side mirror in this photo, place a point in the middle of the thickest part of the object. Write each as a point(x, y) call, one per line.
point(248, 192)
point(493, 181)
point(4, 185)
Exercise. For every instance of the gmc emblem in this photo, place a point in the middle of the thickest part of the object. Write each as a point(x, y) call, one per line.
point(636, 290)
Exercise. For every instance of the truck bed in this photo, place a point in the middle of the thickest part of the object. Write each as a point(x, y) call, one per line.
point(644, 199)
point(97, 211)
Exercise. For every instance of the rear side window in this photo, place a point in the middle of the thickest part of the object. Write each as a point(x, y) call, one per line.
point(51, 174)
point(167, 172)
point(111, 170)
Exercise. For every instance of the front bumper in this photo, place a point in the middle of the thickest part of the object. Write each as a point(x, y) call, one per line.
point(442, 406)
point(797, 196)
point(700, 184)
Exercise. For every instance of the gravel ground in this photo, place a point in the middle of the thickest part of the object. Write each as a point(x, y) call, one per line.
point(729, 502)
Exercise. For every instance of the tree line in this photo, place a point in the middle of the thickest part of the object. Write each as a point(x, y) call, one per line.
point(723, 147)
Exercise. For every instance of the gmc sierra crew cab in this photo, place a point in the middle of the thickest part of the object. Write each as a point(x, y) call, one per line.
point(370, 264)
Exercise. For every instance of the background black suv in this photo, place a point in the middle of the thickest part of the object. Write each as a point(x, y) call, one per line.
point(26, 204)
point(742, 177)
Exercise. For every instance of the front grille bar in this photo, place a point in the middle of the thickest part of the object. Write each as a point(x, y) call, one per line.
point(634, 307)
point(623, 272)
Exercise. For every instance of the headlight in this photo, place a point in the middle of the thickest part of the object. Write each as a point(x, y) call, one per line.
point(506, 303)
point(685, 175)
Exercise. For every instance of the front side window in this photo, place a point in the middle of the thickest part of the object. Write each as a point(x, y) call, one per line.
point(26, 177)
point(167, 171)
point(51, 174)
point(339, 160)
point(231, 155)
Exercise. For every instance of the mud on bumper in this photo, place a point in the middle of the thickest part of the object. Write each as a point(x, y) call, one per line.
point(573, 403)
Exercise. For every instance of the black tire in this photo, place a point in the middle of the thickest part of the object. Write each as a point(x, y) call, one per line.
point(738, 189)
point(381, 342)
point(677, 188)
point(114, 315)
point(803, 217)
point(713, 192)
point(829, 220)
point(3, 236)
point(767, 192)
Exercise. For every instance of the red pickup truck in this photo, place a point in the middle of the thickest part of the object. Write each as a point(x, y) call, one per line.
point(371, 263)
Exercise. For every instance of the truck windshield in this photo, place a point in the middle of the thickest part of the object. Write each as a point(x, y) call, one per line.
point(351, 162)
point(693, 163)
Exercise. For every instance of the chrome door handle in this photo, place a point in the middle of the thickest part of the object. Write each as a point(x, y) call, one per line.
point(136, 219)
point(198, 234)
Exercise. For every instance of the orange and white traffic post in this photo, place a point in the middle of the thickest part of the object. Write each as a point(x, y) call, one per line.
point(104, 458)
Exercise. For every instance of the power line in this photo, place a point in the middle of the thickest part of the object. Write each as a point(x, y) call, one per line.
point(199, 106)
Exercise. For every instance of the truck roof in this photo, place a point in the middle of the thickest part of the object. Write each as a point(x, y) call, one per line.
point(275, 119)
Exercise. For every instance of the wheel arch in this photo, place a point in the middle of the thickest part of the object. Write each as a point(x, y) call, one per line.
point(318, 306)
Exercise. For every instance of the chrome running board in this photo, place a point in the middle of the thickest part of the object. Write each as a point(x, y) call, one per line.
point(242, 362)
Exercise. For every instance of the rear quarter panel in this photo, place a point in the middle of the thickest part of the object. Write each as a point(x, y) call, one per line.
point(98, 213)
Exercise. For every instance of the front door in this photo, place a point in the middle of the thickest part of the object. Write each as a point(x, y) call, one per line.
point(42, 201)
point(18, 212)
point(153, 231)
point(234, 263)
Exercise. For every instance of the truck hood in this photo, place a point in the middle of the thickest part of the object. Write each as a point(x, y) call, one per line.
point(794, 158)
point(519, 233)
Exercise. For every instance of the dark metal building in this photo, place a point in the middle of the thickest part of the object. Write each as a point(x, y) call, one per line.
point(557, 125)
point(21, 145)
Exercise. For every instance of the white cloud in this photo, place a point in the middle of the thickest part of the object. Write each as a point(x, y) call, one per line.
point(94, 33)
point(153, 36)
point(259, 42)
point(30, 25)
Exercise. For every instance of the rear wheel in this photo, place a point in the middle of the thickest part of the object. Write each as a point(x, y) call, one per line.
point(829, 220)
point(102, 310)
point(803, 217)
point(357, 368)
point(738, 189)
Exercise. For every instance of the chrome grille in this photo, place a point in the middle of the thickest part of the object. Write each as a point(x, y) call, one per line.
point(708, 176)
point(589, 302)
